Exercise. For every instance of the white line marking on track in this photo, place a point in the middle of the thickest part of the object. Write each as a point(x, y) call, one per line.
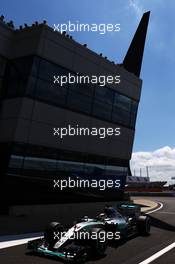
point(157, 209)
point(17, 242)
point(20, 236)
point(158, 254)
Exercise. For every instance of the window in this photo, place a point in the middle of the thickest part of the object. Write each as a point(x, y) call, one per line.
point(15, 165)
point(70, 166)
point(103, 103)
point(134, 109)
point(79, 99)
point(51, 93)
point(121, 109)
point(86, 89)
point(102, 110)
point(17, 75)
point(39, 164)
point(47, 70)
point(16, 161)
point(120, 116)
point(22, 66)
point(115, 171)
point(33, 76)
point(123, 102)
point(30, 86)
point(133, 120)
point(15, 87)
point(35, 66)
point(3, 65)
point(104, 95)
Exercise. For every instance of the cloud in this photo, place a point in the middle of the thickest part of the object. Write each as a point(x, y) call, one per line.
point(161, 164)
point(137, 7)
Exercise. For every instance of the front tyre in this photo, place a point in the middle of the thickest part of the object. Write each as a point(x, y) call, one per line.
point(82, 257)
point(99, 241)
point(53, 233)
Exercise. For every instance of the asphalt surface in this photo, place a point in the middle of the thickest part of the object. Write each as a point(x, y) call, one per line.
point(133, 251)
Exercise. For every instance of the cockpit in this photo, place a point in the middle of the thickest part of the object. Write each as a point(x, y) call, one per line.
point(109, 212)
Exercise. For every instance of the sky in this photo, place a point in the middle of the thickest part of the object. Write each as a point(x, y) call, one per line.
point(155, 129)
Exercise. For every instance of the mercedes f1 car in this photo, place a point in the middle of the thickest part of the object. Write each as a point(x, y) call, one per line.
point(91, 236)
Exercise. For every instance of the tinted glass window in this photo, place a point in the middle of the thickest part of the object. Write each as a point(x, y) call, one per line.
point(122, 102)
point(104, 95)
point(79, 101)
point(51, 93)
point(47, 70)
point(133, 120)
point(30, 86)
point(102, 110)
point(39, 164)
point(85, 89)
point(94, 171)
point(35, 66)
point(134, 107)
point(121, 116)
point(16, 161)
point(22, 66)
point(15, 87)
point(33, 76)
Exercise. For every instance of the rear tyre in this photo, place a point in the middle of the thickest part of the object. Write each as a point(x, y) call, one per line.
point(53, 233)
point(144, 225)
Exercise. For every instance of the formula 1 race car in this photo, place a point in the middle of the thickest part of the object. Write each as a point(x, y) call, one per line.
point(91, 236)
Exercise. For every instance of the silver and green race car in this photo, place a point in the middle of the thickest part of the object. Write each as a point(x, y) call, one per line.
point(91, 236)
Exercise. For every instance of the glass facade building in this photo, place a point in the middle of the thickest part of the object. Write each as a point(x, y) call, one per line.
point(31, 105)
point(37, 83)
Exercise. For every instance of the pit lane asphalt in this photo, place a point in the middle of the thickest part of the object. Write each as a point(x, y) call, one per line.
point(133, 251)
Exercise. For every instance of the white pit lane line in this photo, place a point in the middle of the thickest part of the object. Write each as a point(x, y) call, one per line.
point(158, 254)
point(17, 240)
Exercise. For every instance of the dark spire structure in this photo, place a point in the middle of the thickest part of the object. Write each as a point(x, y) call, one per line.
point(133, 59)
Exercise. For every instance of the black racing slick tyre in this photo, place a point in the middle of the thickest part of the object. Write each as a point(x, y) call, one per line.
point(82, 257)
point(144, 225)
point(99, 241)
point(53, 233)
